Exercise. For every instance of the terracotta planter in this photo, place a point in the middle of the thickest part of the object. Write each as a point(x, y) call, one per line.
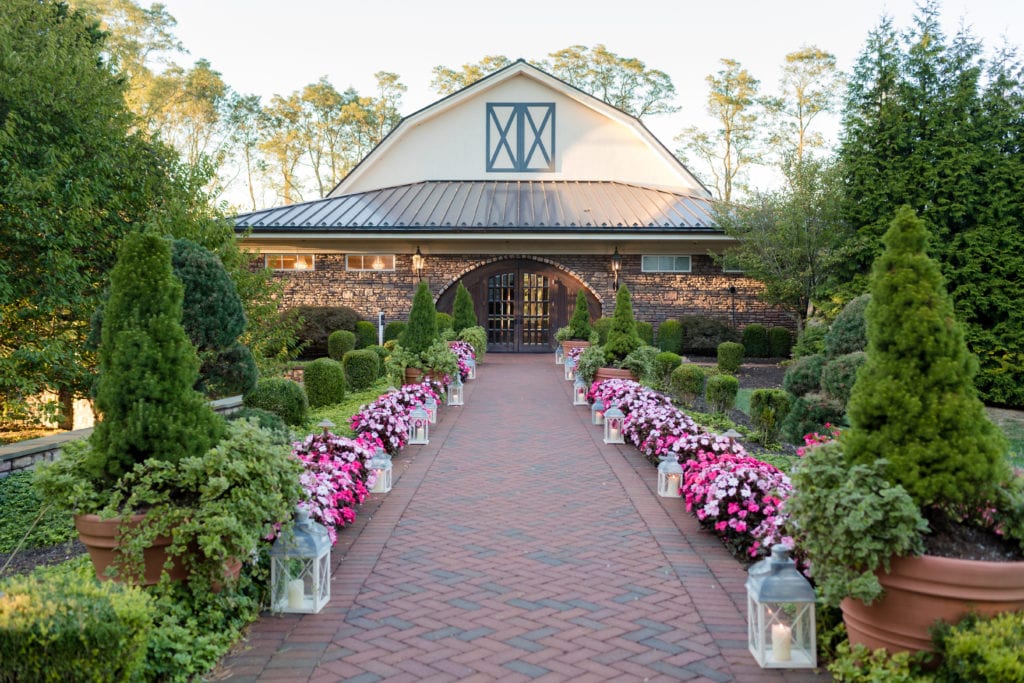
point(920, 590)
point(415, 375)
point(613, 373)
point(573, 344)
point(101, 538)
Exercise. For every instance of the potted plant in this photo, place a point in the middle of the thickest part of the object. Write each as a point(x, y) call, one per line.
point(420, 350)
point(161, 468)
point(883, 515)
point(578, 333)
point(623, 340)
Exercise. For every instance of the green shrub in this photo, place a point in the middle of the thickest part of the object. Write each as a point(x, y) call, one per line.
point(721, 392)
point(811, 341)
point(858, 664)
point(317, 324)
point(283, 397)
point(780, 342)
point(366, 334)
point(983, 649)
point(646, 332)
point(641, 362)
point(670, 336)
point(382, 357)
point(339, 343)
point(266, 420)
point(664, 363)
point(362, 367)
point(755, 341)
point(602, 326)
point(702, 335)
point(687, 383)
point(444, 322)
point(230, 372)
point(324, 380)
point(579, 324)
point(730, 357)
point(393, 330)
point(839, 374)
point(622, 337)
point(20, 508)
point(810, 413)
point(69, 629)
point(804, 375)
point(422, 328)
point(212, 311)
point(463, 311)
point(477, 337)
point(768, 409)
point(848, 332)
point(588, 362)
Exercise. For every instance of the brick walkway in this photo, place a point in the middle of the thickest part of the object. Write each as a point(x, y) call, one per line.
point(517, 546)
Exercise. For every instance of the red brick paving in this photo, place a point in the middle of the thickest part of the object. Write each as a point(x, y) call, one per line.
point(517, 546)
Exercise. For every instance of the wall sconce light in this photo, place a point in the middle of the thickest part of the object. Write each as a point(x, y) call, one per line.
point(616, 266)
point(418, 262)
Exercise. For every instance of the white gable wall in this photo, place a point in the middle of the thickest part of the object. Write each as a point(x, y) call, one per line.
point(448, 142)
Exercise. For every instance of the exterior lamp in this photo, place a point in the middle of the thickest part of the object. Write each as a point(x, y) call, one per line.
point(455, 397)
point(579, 392)
point(616, 266)
point(780, 614)
point(381, 466)
point(597, 412)
point(419, 426)
point(559, 354)
point(300, 568)
point(430, 405)
point(613, 419)
point(570, 369)
point(471, 365)
point(325, 425)
point(670, 478)
point(418, 261)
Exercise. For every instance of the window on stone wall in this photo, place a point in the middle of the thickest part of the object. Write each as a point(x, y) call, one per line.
point(290, 261)
point(665, 264)
point(370, 262)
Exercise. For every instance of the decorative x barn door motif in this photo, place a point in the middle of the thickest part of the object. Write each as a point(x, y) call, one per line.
point(521, 137)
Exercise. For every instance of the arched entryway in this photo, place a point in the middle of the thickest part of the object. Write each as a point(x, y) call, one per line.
point(521, 303)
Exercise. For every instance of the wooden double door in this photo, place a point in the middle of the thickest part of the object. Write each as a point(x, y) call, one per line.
point(521, 303)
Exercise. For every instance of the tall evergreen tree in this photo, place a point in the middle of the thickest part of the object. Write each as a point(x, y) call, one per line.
point(421, 331)
point(463, 312)
point(579, 324)
point(622, 337)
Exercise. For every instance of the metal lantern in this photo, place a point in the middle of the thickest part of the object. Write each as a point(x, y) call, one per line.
point(380, 465)
point(471, 365)
point(670, 478)
point(430, 405)
point(300, 568)
point(559, 354)
point(455, 391)
point(780, 614)
point(613, 419)
point(597, 412)
point(570, 369)
point(419, 426)
point(579, 392)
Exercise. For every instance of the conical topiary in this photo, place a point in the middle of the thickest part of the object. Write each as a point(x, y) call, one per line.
point(421, 331)
point(463, 312)
point(622, 337)
point(914, 403)
point(579, 324)
point(147, 368)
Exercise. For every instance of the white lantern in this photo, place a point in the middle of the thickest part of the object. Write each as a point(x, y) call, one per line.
point(471, 366)
point(570, 369)
point(455, 391)
point(380, 465)
point(419, 426)
point(579, 392)
point(597, 412)
point(613, 421)
point(300, 568)
point(430, 405)
point(670, 478)
point(780, 614)
point(558, 354)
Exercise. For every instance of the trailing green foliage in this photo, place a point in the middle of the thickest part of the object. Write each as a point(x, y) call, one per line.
point(324, 382)
point(914, 403)
point(477, 337)
point(702, 335)
point(265, 420)
point(768, 409)
point(602, 326)
point(664, 363)
point(588, 363)
point(810, 413)
point(670, 336)
point(463, 311)
point(721, 392)
point(646, 332)
point(858, 664)
point(730, 357)
point(641, 363)
point(366, 334)
point(318, 322)
point(848, 332)
point(579, 323)
point(804, 375)
point(444, 323)
point(339, 343)
point(362, 367)
point(687, 383)
point(622, 337)
point(283, 397)
point(393, 330)
point(811, 341)
point(780, 342)
point(839, 375)
point(755, 341)
point(422, 329)
point(982, 649)
point(26, 520)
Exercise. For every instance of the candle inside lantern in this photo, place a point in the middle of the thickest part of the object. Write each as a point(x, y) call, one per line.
point(613, 431)
point(296, 594)
point(673, 483)
point(782, 638)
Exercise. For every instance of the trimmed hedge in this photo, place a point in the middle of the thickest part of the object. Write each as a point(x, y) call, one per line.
point(317, 324)
point(646, 332)
point(687, 383)
point(233, 371)
point(755, 341)
point(366, 334)
point(804, 375)
point(444, 322)
point(810, 413)
point(324, 379)
point(283, 397)
point(721, 392)
point(848, 332)
point(362, 367)
point(339, 343)
point(811, 341)
point(839, 374)
point(768, 411)
point(702, 335)
point(780, 342)
point(382, 356)
point(730, 357)
point(393, 330)
point(664, 363)
point(670, 336)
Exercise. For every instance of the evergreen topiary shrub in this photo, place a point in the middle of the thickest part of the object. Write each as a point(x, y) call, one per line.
point(983, 649)
point(579, 323)
point(755, 341)
point(646, 332)
point(840, 373)
point(602, 326)
point(324, 381)
point(362, 367)
point(721, 392)
point(687, 383)
point(670, 336)
point(366, 334)
point(422, 328)
point(283, 397)
point(393, 330)
point(317, 324)
point(664, 363)
point(810, 413)
point(780, 342)
point(477, 337)
point(702, 335)
point(848, 332)
point(811, 341)
point(463, 311)
point(622, 337)
point(804, 375)
point(339, 343)
point(730, 357)
point(444, 322)
point(231, 372)
point(212, 312)
point(382, 357)
point(768, 410)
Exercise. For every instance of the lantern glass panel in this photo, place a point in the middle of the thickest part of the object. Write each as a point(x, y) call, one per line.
point(570, 369)
point(579, 392)
point(670, 481)
point(455, 392)
point(300, 568)
point(430, 405)
point(613, 420)
point(558, 355)
point(597, 412)
point(471, 365)
point(419, 426)
point(780, 614)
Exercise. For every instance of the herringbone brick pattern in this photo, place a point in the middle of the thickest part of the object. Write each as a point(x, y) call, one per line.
point(518, 546)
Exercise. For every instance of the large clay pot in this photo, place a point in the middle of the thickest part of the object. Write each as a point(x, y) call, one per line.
point(920, 590)
point(613, 373)
point(569, 344)
point(101, 537)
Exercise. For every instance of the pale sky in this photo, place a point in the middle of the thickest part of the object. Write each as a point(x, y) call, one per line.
point(269, 47)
